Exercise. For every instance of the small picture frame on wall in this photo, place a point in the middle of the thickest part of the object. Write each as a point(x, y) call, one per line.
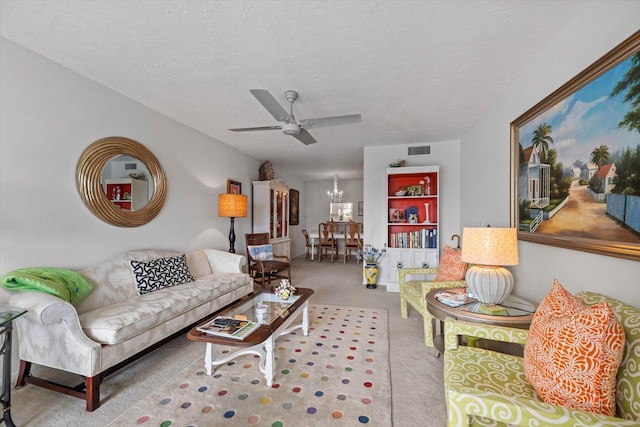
point(360, 208)
point(234, 187)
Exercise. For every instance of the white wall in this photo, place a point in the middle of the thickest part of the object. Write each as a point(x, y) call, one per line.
point(445, 154)
point(485, 159)
point(49, 116)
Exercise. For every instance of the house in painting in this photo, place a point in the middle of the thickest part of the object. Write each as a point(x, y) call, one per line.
point(606, 173)
point(576, 172)
point(533, 179)
point(589, 170)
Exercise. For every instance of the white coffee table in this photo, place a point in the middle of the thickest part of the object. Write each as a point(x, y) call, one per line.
point(277, 321)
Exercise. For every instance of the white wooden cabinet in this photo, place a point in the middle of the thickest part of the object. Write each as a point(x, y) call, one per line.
point(412, 240)
point(271, 214)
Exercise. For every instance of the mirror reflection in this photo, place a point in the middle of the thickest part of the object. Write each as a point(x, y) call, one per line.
point(127, 182)
point(341, 212)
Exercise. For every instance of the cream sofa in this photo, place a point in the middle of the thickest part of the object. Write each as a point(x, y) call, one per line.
point(115, 324)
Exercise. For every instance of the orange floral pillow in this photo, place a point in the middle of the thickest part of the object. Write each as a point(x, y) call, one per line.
point(452, 268)
point(573, 353)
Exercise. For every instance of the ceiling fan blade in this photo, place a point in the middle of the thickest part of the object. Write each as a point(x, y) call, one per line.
point(305, 137)
point(255, 128)
point(273, 107)
point(331, 121)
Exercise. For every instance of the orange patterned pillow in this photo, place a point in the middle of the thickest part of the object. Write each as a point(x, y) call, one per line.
point(452, 268)
point(573, 353)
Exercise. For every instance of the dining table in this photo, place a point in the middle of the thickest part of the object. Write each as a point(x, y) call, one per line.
point(314, 238)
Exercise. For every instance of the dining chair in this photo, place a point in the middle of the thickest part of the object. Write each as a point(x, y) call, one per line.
point(352, 240)
point(263, 264)
point(327, 245)
point(309, 244)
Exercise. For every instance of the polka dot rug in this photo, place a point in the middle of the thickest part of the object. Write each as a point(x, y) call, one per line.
point(338, 375)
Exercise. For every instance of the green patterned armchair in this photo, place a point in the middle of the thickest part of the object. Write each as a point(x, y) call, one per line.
point(414, 292)
point(487, 388)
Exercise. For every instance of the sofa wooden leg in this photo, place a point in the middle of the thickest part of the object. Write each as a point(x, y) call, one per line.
point(93, 392)
point(25, 369)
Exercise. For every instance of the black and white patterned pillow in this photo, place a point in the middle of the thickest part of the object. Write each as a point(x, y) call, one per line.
point(177, 270)
point(161, 273)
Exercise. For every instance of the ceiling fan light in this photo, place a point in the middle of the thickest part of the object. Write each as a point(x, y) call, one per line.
point(291, 129)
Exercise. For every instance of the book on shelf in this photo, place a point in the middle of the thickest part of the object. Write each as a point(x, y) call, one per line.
point(418, 239)
point(229, 327)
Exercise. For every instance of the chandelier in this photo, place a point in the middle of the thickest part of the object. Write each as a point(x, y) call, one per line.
point(335, 195)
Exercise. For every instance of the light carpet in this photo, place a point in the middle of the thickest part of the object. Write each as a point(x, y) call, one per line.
point(337, 375)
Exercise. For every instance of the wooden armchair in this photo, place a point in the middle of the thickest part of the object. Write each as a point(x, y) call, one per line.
point(263, 264)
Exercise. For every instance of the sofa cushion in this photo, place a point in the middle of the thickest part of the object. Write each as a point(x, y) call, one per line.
point(261, 252)
point(118, 322)
point(452, 268)
point(161, 272)
point(573, 353)
point(198, 264)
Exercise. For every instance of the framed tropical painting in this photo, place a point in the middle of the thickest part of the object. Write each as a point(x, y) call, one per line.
point(575, 160)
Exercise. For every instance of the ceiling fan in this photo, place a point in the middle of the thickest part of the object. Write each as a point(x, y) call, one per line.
point(291, 126)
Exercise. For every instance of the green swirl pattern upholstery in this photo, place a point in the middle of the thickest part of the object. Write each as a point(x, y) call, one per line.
point(488, 388)
point(415, 292)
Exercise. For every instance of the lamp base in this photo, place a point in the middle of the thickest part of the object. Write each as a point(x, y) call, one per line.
point(232, 237)
point(489, 284)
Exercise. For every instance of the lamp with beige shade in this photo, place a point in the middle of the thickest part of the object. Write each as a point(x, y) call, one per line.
point(487, 250)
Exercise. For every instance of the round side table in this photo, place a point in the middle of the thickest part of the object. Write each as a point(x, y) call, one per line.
point(513, 312)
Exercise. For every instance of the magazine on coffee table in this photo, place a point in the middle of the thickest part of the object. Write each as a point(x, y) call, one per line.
point(229, 327)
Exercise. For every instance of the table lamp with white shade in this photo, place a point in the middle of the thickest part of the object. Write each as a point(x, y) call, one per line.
point(487, 250)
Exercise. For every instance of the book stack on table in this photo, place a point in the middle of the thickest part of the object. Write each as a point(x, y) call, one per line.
point(453, 297)
point(229, 327)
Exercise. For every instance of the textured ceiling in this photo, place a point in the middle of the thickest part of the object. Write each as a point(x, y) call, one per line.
point(417, 71)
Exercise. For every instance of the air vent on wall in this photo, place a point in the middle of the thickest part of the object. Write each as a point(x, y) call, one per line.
point(130, 166)
point(414, 151)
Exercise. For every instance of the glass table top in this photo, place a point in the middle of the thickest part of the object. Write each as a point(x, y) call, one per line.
point(264, 308)
point(8, 313)
point(511, 307)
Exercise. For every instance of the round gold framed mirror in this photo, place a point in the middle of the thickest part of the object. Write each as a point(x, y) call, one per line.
point(90, 182)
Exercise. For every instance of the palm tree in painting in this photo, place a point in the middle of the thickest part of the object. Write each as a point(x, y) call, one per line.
point(541, 140)
point(600, 155)
point(630, 84)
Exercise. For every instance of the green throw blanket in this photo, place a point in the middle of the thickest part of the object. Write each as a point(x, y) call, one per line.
point(66, 284)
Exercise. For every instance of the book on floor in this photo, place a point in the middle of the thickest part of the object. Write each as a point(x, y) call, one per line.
point(229, 327)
